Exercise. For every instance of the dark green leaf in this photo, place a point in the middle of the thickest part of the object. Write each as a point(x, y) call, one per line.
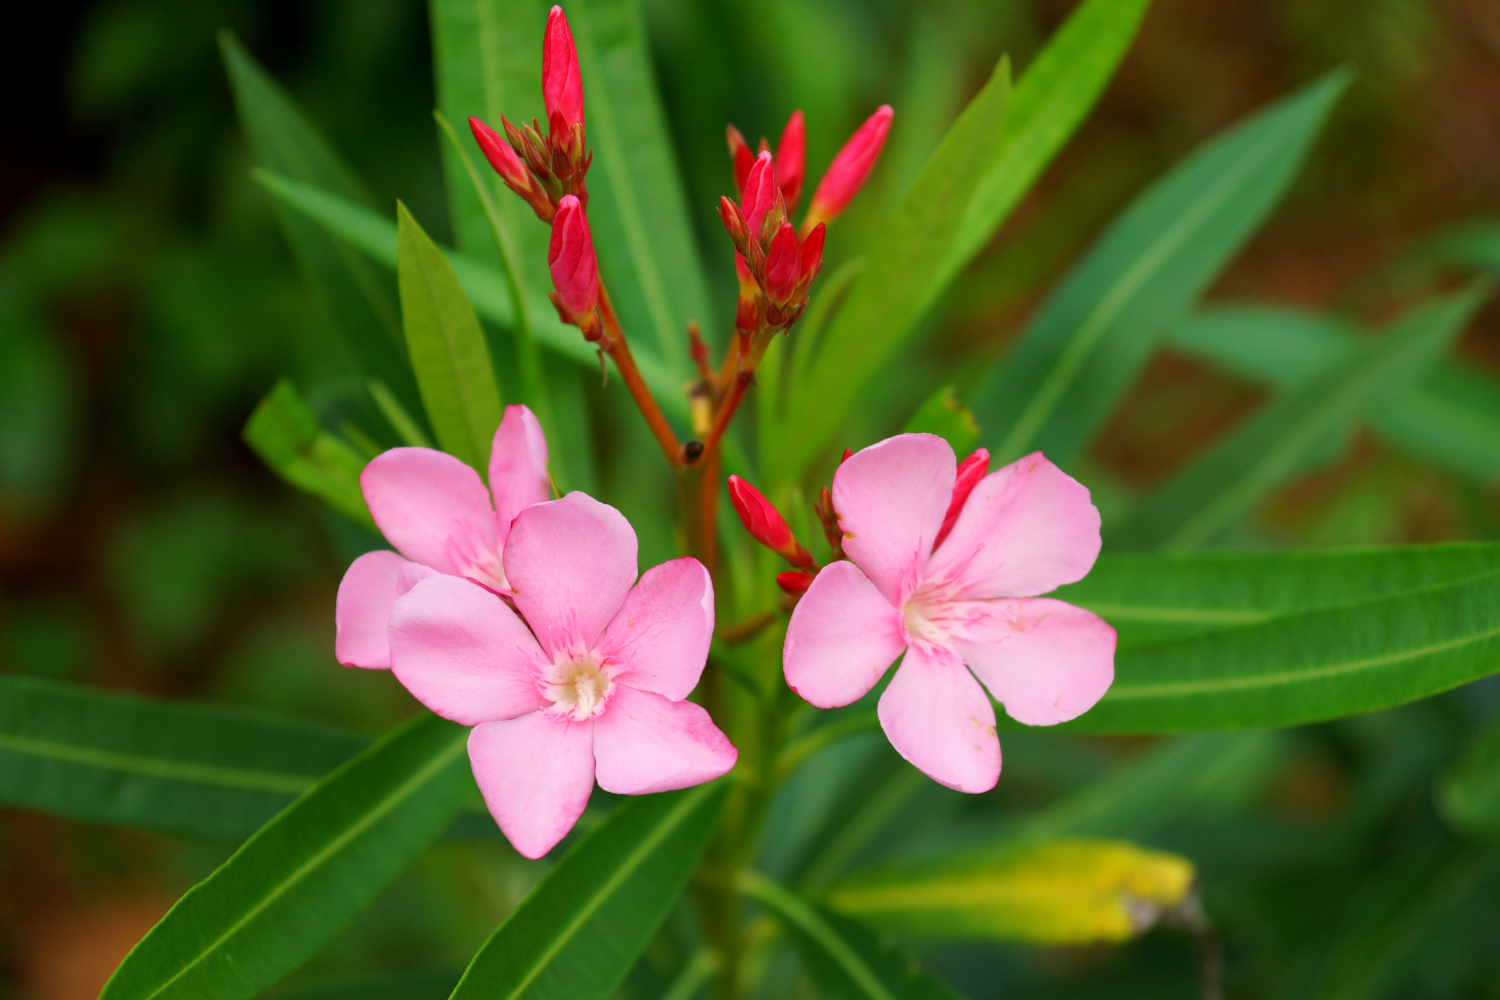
point(1215, 490)
point(293, 886)
point(1468, 796)
point(285, 434)
point(844, 958)
point(949, 419)
point(448, 352)
point(414, 984)
point(1095, 332)
point(579, 931)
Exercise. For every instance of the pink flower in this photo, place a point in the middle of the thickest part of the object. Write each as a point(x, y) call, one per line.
point(584, 680)
point(967, 604)
point(847, 173)
point(571, 259)
point(439, 516)
point(562, 83)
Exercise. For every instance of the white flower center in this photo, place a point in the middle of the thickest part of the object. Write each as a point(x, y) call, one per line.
point(924, 620)
point(577, 688)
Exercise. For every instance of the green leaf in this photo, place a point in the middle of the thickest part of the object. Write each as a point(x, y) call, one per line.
point(360, 302)
point(286, 435)
point(1468, 796)
point(448, 352)
point(843, 957)
point(411, 984)
point(1308, 666)
point(898, 283)
point(946, 417)
point(1060, 892)
point(292, 887)
point(576, 935)
point(1152, 597)
point(191, 770)
point(1216, 489)
point(1451, 417)
point(1095, 332)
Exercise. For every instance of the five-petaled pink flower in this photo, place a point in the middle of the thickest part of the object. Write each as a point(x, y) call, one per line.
point(587, 681)
point(435, 511)
point(957, 600)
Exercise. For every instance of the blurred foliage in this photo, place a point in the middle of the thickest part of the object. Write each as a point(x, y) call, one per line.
point(148, 302)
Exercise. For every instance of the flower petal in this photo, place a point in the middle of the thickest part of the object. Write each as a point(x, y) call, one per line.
point(571, 562)
point(518, 467)
point(645, 743)
point(1026, 529)
point(891, 499)
point(1052, 661)
point(842, 637)
point(659, 639)
point(536, 774)
point(938, 717)
point(461, 652)
point(420, 498)
point(366, 594)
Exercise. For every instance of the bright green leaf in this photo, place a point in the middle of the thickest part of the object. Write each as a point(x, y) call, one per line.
point(285, 434)
point(949, 419)
point(448, 352)
point(292, 887)
point(1468, 796)
point(1096, 331)
point(1215, 490)
point(576, 935)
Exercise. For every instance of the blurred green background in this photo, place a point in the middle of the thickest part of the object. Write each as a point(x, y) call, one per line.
point(148, 301)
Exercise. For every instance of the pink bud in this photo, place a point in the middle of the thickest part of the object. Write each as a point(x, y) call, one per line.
point(812, 256)
point(759, 193)
point(562, 83)
point(794, 581)
point(970, 471)
point(782, 265)
point(739, 155)
point(729, 213)
point(846, 175)
point(760, 518)
point(791, 159)
point(570, 258)
point(501, 156)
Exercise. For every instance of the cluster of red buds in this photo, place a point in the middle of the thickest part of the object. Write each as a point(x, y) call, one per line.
point(766, 525)
point(775, 261)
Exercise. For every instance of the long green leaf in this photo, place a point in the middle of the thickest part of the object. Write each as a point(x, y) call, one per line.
point(898, 283)
point(579, 931)
point(1452, 417)
point(191, 770)
point(293, 886)
point(411, 984)
point(1212, 492)
point(286, 435)
point(1468, 795)
point(1056, 892)
point(1095, 332)
point(946, 417)
point(359, 300)
point(448, 351)
point(843, 957)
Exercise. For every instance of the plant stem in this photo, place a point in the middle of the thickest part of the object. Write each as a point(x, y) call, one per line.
point(613, 343)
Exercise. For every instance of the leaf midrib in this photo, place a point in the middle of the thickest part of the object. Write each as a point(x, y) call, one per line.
point(159, 767)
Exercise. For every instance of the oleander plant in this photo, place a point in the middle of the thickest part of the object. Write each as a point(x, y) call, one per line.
point(619, 521)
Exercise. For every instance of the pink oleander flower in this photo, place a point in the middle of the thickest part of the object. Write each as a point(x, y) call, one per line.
point(571, 259)
point(562, 82)
point(584, 680)
point(960, 606)
point(847, 174)
point(441, 519)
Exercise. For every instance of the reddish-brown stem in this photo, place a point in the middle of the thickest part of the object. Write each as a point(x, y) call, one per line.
point(613, 343)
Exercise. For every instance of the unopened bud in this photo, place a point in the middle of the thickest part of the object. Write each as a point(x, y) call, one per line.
point(765, 523)
point(739, 155)
point(570, 258)
point(562, 83)
point(729, 212)
point(759, 194)
point(794, 581)
point(811, 259)
point(782, 265)
point(847, 174)
point(791, 159)
point(970, 471)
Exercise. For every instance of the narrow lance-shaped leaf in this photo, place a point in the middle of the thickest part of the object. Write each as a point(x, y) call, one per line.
point(843, 957)
point(285, 434)
point(898, 282)
point(576, 935)
point(292, 887)
point(1205, 498)
point(1095, 332)
point(1057, 892)
point(448, 351)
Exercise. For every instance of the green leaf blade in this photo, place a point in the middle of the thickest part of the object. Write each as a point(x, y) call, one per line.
point(284, 433)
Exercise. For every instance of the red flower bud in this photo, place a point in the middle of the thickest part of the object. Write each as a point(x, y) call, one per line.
point(729, 212)
point(760, 518)
point(812, 258)
point(846, 175)
point(782, 265)
point(791, 159)
point(562, 83)
point(739, 155)
point(970, 471)
point(794, 582)
point(501, 156)
point(759, 193)
point(570, 258)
